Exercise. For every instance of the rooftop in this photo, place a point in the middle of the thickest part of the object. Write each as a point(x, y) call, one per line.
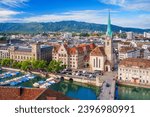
point(127, 49)
point(98, 51)
point(13, 93)
point(136, 62)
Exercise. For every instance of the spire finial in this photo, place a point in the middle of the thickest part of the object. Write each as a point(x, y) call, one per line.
point(109, 32)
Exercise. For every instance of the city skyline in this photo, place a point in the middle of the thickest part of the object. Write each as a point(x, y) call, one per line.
point(125, 13)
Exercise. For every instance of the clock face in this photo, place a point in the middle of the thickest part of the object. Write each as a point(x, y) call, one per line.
point(108, 38)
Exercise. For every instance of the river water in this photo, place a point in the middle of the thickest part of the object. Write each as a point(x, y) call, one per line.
point(133, 93)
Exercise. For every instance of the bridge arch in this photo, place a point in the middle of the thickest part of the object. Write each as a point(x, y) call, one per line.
point(71, 80)
point(62, 78)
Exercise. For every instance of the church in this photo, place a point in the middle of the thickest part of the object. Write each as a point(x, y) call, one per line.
point(102, 57)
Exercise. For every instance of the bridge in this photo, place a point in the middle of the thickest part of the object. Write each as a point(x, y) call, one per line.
point(108, 90)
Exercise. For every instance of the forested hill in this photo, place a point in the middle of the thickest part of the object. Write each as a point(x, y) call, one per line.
point(70, 26)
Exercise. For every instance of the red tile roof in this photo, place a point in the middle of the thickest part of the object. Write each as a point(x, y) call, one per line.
point(107, 62)
point(126, 49)
point(13, 93)
point(98, 51)
point(137, 62)
point(92, 46)
point(76, 49)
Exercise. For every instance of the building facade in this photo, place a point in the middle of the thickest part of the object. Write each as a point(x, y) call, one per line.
point(130, 35)
point(134, 70)
point(102, 58)
point(129, 52)
point(72, 57)
point(35, 52)
point(4, 52)
point(147, 53)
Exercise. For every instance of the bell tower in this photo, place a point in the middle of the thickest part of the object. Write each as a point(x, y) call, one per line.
point(109, 42)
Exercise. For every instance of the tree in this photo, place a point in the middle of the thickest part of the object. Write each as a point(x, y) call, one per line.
point(38, 64)
point(34, 64)
point(6, 62)
point(55, 66)
point(42, 64)
point(16, 64)
point(26, 65)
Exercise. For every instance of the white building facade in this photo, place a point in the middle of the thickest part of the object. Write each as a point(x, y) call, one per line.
point(134, 70)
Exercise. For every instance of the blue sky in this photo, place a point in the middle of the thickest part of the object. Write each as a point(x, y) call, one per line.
point(128, 13)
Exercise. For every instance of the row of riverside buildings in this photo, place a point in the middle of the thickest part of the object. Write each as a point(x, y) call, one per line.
point(35, 51)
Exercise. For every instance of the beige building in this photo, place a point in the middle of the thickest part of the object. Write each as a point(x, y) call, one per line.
point(35, 52)
point(4, 52)
point(134, 70)
point(73, 57)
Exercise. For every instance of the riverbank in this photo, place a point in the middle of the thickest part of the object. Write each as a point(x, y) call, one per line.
point(93, 82)
point(134, 85)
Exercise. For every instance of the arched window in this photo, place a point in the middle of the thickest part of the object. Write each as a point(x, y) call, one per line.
point(94, 62)
point(107, 43)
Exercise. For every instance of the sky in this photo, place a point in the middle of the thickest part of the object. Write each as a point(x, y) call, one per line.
point(126, 13)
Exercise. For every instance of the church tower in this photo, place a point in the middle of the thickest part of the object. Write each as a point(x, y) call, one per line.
point(109, 42)
point(36, 51)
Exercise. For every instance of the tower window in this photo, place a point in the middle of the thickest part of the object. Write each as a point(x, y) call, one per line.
point(107, 43)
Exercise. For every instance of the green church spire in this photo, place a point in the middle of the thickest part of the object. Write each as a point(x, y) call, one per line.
point(109, 31)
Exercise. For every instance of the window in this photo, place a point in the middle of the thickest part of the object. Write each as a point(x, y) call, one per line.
point(107, 43)
point(99, 63)
point(94, 62)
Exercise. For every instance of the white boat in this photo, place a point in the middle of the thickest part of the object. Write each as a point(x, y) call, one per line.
point(36, 85)
point(49, 79)
point(52, 82)
point(45, 85)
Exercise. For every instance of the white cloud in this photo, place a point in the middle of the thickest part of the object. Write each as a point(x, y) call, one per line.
point(13, 3)
point(130, 4)
point(113, 2)
point(8, 13)
point(94, 16)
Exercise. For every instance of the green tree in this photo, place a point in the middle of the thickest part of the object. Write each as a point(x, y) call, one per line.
point(39, 64)
point(34, 64)
point(42, 64)
point(6, 62)
point(25, 65)
point(16, 64)
point(55, 66)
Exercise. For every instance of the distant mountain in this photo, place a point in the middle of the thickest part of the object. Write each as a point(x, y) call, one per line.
point(71, 26)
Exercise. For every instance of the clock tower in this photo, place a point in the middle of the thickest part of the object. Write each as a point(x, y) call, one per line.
point(109, 43)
